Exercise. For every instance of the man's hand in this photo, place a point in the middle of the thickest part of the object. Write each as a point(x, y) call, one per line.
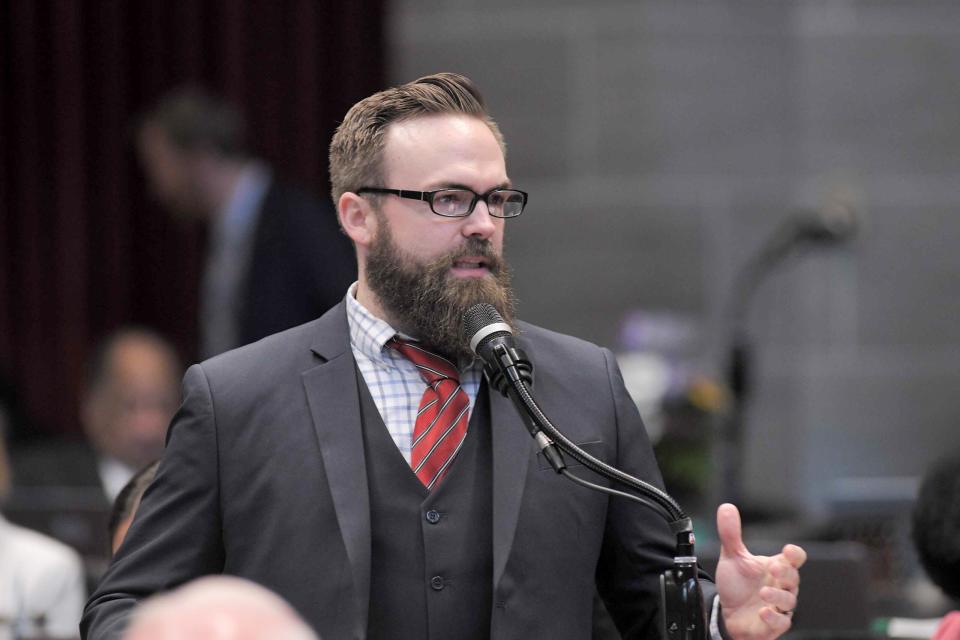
point(757, 593)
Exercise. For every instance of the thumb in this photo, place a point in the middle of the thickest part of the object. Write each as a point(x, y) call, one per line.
point(729, 531)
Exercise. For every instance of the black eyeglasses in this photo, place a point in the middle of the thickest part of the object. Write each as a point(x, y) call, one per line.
point(459, 203)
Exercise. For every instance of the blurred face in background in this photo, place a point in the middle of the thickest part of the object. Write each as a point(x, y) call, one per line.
point(127, 411)
point(172, 173)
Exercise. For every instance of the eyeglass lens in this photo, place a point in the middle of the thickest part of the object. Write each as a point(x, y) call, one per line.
point(457, 202)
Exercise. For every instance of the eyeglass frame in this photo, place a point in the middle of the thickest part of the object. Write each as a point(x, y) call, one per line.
point(427, 196)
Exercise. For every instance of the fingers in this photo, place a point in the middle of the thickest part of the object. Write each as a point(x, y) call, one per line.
point(729, 530)
point(795, 555)
point(781, 600)
point(778, 622)
point(784, 574)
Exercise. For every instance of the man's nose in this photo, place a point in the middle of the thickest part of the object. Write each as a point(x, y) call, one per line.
point(480, 223)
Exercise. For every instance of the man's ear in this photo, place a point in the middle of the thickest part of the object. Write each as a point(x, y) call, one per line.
point(357, 218)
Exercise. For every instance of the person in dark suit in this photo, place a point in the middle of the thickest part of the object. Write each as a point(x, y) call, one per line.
point(276, 258)
point(384, 490)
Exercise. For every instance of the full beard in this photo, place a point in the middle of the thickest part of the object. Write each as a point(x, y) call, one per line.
point(427, 301)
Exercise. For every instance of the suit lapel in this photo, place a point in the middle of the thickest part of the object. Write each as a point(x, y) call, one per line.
point(513, 450)
point(334, 403)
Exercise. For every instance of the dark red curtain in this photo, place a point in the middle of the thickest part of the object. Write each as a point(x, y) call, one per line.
point(82, 248)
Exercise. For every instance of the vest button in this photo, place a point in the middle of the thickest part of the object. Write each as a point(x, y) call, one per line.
point(433, 516)
point(436, 582)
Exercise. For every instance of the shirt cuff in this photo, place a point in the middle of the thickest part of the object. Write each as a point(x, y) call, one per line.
point(715, 619)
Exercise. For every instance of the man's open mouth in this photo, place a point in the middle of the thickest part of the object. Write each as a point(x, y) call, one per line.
point(470, 263)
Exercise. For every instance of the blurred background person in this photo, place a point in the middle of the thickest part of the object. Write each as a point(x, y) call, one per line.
point(936, 534)
point(218, 608)
point(65, 488)
point(276, 257)
point(132, 392)
point(41, 580)
point(125, 506)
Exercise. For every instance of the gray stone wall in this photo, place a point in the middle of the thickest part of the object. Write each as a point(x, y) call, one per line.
point(662, 141)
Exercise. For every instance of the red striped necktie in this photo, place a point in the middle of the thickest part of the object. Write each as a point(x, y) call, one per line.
point(442, 417)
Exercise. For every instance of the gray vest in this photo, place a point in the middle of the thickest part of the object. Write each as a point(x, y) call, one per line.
point(431, 573)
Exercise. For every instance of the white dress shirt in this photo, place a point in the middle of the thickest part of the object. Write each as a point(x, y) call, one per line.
point(41, 585)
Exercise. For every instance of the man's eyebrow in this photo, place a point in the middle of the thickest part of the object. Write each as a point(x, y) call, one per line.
point(506, 184)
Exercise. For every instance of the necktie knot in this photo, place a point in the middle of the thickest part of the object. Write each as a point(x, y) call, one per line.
point(433, 368)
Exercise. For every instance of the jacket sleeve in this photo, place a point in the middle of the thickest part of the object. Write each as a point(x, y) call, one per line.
point(176, 534)
point(638, 545)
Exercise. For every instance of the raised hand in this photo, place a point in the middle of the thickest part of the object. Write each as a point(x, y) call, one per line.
point(757, 593)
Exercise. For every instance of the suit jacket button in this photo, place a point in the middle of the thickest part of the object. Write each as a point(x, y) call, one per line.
point(433, 517)
point(436, 582)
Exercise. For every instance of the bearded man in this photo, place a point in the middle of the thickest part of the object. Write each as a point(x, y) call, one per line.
point(359, 466)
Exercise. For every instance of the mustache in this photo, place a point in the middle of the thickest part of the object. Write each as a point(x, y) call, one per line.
point(473, 247)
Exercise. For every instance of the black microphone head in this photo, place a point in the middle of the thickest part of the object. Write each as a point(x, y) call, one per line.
point(482, 323)
point(478, 316)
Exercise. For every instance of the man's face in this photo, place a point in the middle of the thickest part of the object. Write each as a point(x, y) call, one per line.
point(434, 152)
point(127, 414)
point(424, 269)
point(169, 172)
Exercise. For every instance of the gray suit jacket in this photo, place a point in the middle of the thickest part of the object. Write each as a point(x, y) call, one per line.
point(264, 477)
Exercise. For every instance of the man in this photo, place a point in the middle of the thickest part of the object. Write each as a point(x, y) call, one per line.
point(276, 258)
point(307, 462)
point(218, 608)
point(129, 398)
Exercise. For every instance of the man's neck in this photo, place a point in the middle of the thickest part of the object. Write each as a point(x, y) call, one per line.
point(371, 303)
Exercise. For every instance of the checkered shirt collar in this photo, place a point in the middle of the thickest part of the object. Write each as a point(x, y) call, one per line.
point(368, 333)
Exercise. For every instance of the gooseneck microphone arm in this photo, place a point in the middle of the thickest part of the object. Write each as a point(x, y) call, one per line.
point(508, 370)
point(550, 438)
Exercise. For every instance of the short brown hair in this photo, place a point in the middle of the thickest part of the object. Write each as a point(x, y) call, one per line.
point(356, 151)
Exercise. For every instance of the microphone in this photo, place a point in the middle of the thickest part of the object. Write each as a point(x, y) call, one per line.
point(836, 223)
point(830, 226)
point(508, 370)
point(492, 340)
point(484, 325)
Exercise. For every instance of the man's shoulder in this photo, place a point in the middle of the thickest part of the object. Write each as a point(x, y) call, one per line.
point(558, 352)
point(537, 335)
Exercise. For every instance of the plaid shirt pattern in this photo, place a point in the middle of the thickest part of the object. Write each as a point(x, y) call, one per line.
point(393, 381)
